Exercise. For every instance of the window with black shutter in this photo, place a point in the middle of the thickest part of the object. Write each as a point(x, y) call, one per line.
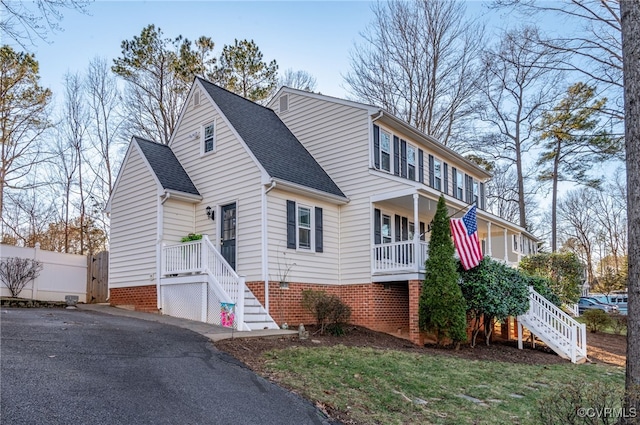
point(318, 223)
point(445, 189)
point(376, 146)
point(396, 155)
point(431, 171)
point(403, 158)
point(420, 166)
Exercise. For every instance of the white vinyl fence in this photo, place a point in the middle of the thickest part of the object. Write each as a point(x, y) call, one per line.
point(62, 274)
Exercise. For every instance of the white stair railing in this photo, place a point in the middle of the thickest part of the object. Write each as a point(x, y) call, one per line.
point(226, 279)
point(555, 327)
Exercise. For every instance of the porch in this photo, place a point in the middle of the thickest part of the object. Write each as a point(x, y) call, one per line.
point(197, 283)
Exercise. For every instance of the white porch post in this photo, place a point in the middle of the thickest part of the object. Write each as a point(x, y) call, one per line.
point(489, 252)
point(506, 248)
point(416, 232)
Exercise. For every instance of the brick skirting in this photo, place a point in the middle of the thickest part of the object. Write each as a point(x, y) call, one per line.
point(142, 298)
point(383, 307)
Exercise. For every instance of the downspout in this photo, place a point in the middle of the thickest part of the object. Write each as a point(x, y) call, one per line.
point(265, 248)
point(160, 226)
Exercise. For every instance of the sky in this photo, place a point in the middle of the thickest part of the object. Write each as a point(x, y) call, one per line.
point(316, 37)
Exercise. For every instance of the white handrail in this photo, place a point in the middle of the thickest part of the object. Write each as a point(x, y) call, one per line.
point(398, 256)
point(558, 323)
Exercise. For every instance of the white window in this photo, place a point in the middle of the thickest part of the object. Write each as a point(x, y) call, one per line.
point(475, 193)
point(304, 228)
point(412, 229)
point(437, 174)
point(385, 151)
point(208, 138)
point(460, 186)
point(411, 162)
point(386, 229)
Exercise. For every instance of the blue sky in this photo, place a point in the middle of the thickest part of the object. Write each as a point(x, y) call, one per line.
point(303, 35)
point(311, 36)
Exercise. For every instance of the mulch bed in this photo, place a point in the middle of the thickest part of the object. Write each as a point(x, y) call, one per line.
point(602, 348)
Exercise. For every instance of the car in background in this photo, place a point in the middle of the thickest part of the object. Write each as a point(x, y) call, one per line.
point(591, 303)
point(619, 299)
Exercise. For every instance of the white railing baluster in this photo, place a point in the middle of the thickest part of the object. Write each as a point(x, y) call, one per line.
point(556, 324)
point(399, 256)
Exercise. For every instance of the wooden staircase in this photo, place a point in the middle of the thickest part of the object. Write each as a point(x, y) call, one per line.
point(559, 331)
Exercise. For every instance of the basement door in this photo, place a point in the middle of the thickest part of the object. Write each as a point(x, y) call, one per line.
point(228, 234)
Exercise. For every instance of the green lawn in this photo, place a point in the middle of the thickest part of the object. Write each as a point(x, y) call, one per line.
point(392, 387)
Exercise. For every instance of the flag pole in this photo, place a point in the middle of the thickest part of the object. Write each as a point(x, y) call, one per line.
point(430, 225)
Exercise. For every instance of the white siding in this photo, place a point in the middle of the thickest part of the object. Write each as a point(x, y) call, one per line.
point(179, 220)
point(134, 205)
point(306, 266)
point(338, 137)
point(222, 177)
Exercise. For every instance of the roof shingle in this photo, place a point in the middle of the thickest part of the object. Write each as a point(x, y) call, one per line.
point(271, 142)
point(166, 166)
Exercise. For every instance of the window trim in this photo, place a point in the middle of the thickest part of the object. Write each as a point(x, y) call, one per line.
point(389, 153)
point(203, 135)
point(437, 180)
point(310, 229)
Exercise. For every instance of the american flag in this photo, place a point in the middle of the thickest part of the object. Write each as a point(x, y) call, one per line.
point(465, 238)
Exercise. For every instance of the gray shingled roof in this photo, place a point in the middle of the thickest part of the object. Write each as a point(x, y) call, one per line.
point(271, 142)
point(166, 166)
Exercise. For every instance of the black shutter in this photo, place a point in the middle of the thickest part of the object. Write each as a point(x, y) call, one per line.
point(469, 188)
point(446, 179)
point(454, 181)
point(405, 229)
point(377, 224)
point(376, 146)
point(291, 224)
point(396, 155)
point(318, 229)
point(397, 237)
point(482, 199)
point(422, 231)
point(431, 172)
point(403, 158)
point(420, 166)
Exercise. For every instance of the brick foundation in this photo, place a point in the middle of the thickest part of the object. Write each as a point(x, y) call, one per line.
point(382, 307)
point(142, 298)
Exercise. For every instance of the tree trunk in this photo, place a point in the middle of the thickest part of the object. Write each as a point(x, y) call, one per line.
point(554, 202)
point(630, 22)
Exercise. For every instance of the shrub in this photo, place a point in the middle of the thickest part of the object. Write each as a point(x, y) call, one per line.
point(575, 404)
point(191, 237)
point(494, 291)
point(16, 272)
point(329, 310)
point(596, 320)
point(618, 322)
point(443, 309)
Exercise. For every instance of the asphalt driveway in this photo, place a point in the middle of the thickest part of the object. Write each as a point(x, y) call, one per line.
point(82, 367)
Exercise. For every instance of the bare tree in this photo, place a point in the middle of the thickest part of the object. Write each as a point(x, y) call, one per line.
point(300, 80)
point(518, 82)
point(630, 24)
point(23, 119)
point(419, 61)
point(578, 226)
point(106, 121)
point(592, 42)
point(26, 21)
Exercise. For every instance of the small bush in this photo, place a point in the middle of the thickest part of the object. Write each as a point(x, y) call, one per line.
point(191, 237)
point(596, 320)
point(16, 272)
point(619, 323)
point(577, 404)
point(329, 310)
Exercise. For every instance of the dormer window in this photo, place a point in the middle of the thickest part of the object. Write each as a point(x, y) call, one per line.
point(209, 138)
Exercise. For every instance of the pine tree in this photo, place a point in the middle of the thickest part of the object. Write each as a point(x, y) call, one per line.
point(442, 305)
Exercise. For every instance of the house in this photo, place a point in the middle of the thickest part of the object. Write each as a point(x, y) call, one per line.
point(310, 192)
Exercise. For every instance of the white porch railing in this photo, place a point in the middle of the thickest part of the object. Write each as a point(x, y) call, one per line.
point(557, 329)
point(202, 257)
point(399, 257)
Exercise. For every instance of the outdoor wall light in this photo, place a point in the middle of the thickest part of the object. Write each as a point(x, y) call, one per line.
point(211, 213)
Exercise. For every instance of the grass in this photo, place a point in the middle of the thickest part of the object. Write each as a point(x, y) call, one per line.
point(393, 387)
